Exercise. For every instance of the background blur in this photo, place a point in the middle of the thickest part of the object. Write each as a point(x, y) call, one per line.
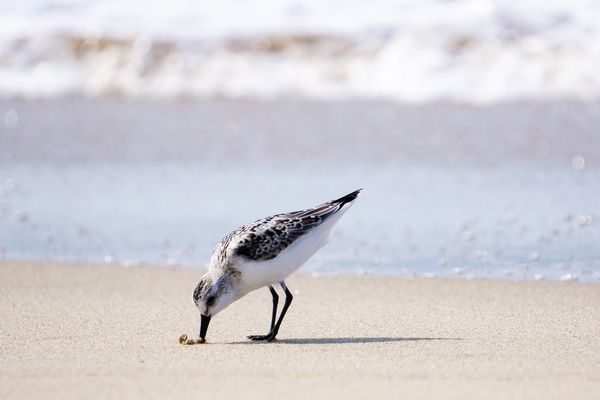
point(142, 133)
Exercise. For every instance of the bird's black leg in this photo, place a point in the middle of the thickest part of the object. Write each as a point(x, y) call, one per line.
point(273, 316)
point(286, 305)
point(275, 302)
point(288, 300)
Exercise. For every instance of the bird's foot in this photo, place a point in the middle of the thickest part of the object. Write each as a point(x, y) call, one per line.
point(270, 337)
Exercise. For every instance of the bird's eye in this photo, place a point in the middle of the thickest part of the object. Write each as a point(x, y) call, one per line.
point(210, 300)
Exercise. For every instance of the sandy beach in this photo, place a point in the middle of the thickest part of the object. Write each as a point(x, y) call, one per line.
point(73, 331)
point(134, 138)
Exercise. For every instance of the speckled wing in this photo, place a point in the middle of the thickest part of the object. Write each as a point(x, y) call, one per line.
point(266, 238)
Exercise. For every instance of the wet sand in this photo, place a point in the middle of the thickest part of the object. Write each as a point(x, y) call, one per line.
point(73, 331)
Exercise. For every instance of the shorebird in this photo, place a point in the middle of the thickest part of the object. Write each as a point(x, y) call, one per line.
point(264, 253)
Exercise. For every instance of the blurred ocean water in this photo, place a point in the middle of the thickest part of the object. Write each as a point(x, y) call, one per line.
point(135, 132)
point(502, 191)
point(477, 51)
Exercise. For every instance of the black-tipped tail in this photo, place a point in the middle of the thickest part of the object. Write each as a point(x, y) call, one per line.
point(347, 198)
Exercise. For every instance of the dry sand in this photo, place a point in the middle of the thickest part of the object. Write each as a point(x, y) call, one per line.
point(73, 331)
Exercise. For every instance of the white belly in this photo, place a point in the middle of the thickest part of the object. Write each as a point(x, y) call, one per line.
point(256, 274)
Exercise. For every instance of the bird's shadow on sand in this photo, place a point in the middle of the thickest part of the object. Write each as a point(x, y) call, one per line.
point(350, 340)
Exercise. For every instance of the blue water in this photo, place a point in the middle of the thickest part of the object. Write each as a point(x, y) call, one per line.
point(504, 191)
point(517, 223)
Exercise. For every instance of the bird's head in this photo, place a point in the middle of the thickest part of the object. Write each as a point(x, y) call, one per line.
point(211, 295)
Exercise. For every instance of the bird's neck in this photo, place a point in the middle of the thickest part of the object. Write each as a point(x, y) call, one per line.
point(226, 275)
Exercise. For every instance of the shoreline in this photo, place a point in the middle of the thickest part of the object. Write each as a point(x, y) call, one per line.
point(76, 330)
point(301, 273)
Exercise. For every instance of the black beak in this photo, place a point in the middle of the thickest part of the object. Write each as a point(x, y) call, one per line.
point(204, 321)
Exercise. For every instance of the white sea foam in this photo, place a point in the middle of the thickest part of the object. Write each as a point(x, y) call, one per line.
point(407, 50)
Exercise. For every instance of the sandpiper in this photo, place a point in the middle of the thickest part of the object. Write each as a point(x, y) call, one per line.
point(264, 253)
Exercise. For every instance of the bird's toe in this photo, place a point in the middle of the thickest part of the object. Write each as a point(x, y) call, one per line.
point(259, 337)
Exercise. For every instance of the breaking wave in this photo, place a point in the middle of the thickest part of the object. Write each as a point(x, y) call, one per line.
point(473, 51)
